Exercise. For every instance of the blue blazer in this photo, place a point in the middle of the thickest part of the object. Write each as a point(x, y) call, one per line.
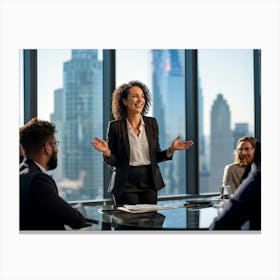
point(41, 208)
point(117, 137)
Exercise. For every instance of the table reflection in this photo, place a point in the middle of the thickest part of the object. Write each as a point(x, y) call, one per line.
point(139, 220)
point(188, 217)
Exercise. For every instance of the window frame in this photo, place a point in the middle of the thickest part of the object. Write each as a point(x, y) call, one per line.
point(109, 83)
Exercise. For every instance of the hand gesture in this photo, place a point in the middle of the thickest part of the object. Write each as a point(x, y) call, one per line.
point(101, 146)
point(180, 145)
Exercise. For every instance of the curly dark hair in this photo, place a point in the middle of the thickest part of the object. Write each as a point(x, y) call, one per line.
point(119, 110)
point(34, 134)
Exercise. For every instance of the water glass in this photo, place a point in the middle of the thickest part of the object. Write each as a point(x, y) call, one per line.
point(225, 192)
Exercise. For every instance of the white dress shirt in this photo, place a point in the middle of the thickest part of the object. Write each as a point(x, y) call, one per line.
point(139, 146)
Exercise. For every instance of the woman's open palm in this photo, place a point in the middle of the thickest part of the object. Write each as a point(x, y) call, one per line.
point(180, 145)
point(100, 145)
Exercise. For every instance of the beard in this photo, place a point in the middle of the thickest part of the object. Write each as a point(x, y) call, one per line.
point(52, 163)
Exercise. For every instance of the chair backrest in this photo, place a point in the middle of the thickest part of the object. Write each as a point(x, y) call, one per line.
point(112, 180)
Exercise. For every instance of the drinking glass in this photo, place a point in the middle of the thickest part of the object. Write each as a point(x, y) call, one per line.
point(225, 192)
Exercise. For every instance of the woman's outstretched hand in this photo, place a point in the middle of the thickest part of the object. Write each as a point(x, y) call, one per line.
point(180, 145)
point(101, 146)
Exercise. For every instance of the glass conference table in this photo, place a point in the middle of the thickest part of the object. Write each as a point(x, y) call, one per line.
point(185, 214)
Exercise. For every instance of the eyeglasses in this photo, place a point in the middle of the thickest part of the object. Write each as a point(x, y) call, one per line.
point(55, 142)
point(246, 149)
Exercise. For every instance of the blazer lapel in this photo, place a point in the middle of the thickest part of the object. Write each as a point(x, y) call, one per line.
point(125, 137)
point(149, 134)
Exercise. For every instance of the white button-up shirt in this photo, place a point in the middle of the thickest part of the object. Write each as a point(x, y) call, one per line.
point(139, 146)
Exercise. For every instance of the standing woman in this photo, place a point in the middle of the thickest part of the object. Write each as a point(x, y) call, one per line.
point(132, 146)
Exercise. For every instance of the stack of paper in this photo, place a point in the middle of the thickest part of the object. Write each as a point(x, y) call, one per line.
point(142, 208)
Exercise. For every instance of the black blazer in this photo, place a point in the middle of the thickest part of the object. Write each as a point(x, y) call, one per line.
point(118, 142)
point(41, 208)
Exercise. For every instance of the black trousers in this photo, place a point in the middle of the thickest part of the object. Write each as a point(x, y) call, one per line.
point(140, 187)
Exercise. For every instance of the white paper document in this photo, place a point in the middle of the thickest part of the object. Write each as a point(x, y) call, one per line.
point(142, 208)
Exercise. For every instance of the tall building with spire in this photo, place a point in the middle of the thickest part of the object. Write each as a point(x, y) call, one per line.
point(220, 141)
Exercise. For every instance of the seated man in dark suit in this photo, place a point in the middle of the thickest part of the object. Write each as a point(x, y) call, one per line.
point(41, 208)
point(243, 211)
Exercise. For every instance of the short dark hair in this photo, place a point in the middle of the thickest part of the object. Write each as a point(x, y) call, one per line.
point(34, 134)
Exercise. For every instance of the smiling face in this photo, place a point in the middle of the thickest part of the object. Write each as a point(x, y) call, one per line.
point(135, 100)
point(246, 152)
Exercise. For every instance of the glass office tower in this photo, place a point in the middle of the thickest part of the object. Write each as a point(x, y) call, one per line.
point(79, 120)
point(220, 141)
point(168, 88)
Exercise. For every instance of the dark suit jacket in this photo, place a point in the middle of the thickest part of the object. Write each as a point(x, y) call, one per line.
point(244, 206)
point(41, 208)
point(119, 145)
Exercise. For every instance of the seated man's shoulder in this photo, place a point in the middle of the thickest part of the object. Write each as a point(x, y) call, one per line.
point(28, 171)
point(32, 177)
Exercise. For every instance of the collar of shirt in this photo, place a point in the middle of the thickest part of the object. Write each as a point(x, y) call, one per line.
point(43, 169)
point(138, 145)
point(141, 128)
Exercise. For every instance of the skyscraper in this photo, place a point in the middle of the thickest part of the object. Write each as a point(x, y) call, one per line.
point(81, 120)
point(158, 90)
point(168, 107)
point(220, 141)
point(57, 119)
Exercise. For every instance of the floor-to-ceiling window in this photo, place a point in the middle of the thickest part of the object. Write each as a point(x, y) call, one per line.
point(163, 71)
point(226, 110)
point(70, 95)
point(21, 98)
point(73, 93)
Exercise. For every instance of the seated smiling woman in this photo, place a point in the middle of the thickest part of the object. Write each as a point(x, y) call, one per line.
point(243, 157)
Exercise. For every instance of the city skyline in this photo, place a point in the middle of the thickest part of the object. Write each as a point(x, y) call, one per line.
point(80, 90)
point(186, 24)
point(225, 76)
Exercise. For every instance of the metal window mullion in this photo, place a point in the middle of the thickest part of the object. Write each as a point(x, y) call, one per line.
point(109, 83)
point(257, 93)
point(30, 84)
point(192, 160)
